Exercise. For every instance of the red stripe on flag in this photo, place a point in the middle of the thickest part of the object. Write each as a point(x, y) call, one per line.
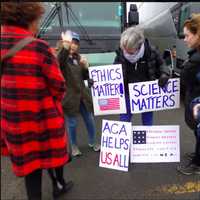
point(109, 104)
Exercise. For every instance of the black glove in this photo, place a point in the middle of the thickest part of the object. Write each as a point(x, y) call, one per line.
point(90, 82)
point(162, 81)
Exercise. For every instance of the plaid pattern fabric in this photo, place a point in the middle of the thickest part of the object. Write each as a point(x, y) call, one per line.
point(32, 122)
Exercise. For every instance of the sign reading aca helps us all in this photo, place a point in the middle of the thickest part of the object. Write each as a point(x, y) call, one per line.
point(115, 145)
point(108, 89)
point(148, 96)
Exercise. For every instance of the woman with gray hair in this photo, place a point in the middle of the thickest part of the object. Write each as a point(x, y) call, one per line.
point(140, 62)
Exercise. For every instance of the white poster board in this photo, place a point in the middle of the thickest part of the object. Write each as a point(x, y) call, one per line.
point(115, 145)
point(108, 89)
point(155, 144)
point(148, 96)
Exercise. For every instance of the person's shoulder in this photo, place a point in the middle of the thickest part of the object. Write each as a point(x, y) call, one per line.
point(194, 56)
point(149, 46)
point(119, 52)
point(149, 49)
point(42, 47)
point(42, 43)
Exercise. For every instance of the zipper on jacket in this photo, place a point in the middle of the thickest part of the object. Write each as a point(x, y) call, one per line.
point(135, 66)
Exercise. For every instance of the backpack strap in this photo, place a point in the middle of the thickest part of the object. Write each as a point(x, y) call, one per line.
point(20, 45)
point(17, 47)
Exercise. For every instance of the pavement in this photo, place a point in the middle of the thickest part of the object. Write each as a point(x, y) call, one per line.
point(153, 181)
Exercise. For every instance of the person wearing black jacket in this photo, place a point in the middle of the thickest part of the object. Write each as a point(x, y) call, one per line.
point(140, 62)
point(190, 78)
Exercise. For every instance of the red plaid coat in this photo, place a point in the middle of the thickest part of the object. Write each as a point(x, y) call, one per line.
point(32, 121)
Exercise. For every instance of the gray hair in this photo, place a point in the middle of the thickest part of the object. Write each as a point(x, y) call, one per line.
point(132, 38)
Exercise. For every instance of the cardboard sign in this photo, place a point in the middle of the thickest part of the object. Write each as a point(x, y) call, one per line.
point(115, 145)
point(108, 89)
point(148, 96)
point(157, 144)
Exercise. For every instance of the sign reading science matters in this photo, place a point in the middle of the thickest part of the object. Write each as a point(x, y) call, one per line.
point(115, 145)
point(148, 96)
point(108, 89)
point(158, 144)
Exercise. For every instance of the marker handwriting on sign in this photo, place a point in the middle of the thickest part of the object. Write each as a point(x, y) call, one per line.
point(107, 82)
point(114, 159)
point(154, 102)
point(115, 143)
point(151, 96)
point(106, 74)
point(154, 89)
point(107, 89)
point(109, 131)
point(114, 128)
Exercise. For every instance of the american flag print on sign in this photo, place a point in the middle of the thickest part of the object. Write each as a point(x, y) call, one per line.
point(139, 137)
point(109, 104)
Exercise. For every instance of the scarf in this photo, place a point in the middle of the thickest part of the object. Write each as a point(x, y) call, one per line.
point(133, 58)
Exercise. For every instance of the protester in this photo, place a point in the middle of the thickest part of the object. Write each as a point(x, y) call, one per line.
point(190, 78)
point(140, 62)
point(78, 100)
point(32, 86)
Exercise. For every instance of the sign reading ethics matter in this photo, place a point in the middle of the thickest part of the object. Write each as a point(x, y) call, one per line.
point(108, 89)
point(148, 96)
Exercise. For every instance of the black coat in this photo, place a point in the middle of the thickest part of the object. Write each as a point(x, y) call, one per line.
point(190, 78)
point(147, 68)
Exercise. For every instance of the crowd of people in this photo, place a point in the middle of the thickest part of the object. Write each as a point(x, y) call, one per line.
point(43, 92)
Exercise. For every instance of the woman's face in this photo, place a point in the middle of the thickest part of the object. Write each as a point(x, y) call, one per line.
point(192, 40)
point(131, 51)
point(74, 48)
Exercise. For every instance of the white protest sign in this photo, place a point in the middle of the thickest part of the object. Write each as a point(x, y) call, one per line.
point(108, 89)
point(148, 96)
point(115, 145)
point(158, 144)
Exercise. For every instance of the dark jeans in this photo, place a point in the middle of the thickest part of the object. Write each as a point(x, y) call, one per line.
point(196, 159)
point(147, 117)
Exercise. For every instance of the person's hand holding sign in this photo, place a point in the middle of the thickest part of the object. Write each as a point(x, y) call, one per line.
point(162, 81)
point(84, 62)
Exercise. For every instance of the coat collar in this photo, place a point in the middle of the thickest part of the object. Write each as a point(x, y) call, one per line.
point(15, 30)
point(194, 55)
